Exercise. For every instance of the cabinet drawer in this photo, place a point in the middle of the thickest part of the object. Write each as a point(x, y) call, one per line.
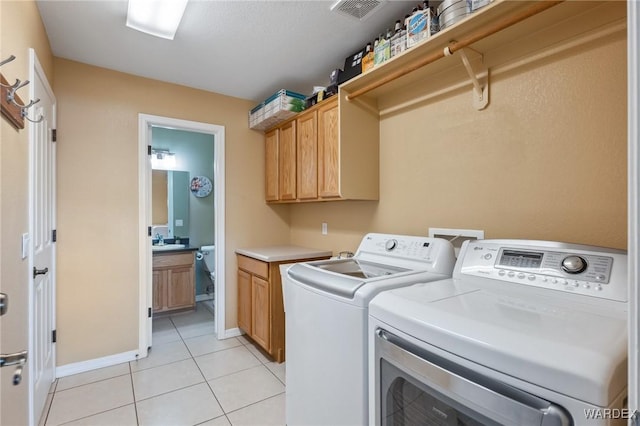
point(256, 267)
point(173, 259)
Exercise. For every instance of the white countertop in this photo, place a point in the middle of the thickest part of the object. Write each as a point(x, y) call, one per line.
point(282, 253)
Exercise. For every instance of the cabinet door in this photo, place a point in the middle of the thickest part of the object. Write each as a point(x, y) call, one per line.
point(307, 157)
point(287, 161)
point(244, 301)
point(328, 151)
point(180, 288)
point(261, 321)
point(159, 290)
point(271, 165)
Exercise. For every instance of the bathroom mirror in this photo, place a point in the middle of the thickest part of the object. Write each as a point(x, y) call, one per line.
point(170, 201)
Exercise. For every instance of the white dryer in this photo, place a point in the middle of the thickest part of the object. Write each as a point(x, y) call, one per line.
point(326, 322)
point(524, 333)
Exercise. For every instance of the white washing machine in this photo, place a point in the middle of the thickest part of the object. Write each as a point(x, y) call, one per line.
point(524, 333)
point(326, 322)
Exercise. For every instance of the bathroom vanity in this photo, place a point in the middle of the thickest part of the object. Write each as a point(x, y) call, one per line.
point(174, 286)
point(260, 302)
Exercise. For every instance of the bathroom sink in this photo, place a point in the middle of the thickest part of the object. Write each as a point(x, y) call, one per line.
point(167, 247)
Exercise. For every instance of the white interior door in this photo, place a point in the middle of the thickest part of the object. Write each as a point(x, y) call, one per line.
point(42, 207)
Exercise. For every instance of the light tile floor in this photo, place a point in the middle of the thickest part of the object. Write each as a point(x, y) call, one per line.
point(189, 378)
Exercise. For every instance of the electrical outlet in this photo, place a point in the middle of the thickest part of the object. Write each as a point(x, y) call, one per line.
point(325, 228)
point(456, 236)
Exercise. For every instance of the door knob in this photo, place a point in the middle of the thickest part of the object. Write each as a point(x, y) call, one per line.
point(13, 359)
point(37, 271)
point(19, 359)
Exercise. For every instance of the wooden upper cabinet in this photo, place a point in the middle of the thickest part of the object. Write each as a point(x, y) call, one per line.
point(271, 165)
point(287, 161)
point(307, 156)
point(328, 151)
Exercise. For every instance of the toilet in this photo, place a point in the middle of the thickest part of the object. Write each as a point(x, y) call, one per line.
point(209, 259)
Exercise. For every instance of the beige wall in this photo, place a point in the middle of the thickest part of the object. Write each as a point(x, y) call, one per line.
point(21, 29)
point(98, 199)
point(546, 160)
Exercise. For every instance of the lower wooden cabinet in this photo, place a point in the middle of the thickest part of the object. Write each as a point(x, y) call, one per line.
point(244, 295)
point(260, 312)
point(173, 281)
point(260, 303)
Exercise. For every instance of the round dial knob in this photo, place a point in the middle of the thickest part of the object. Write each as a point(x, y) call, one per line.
point(391, 244)
point(574, 264)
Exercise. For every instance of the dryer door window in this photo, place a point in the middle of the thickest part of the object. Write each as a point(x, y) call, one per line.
point(407, 402)
point(418, 387)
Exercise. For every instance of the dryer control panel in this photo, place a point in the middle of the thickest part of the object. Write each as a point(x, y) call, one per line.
point(588, 270)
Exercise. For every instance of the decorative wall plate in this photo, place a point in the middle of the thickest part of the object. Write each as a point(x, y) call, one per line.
point(201, 186)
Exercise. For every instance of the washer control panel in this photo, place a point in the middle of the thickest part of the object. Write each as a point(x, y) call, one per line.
point(408, 251)
point(588, 270)
point(398, 245)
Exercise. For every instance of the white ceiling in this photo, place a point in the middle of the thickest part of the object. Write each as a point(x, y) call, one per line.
point(247, 49)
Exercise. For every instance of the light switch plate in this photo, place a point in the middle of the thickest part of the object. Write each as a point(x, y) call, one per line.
point(25, 245)
point(179, 222)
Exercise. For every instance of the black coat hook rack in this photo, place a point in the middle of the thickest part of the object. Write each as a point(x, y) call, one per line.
point(11, 106)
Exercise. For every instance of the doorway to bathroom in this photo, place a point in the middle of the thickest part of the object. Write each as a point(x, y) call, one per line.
point(182, 152)
point(179, 212)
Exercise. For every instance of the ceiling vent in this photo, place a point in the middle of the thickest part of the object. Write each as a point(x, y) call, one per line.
point(358, 9)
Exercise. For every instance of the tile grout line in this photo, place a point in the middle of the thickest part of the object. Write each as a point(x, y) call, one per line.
point(205, 379)
point(133, 391)
point(254, 403)
point(97, 381)
point(95, 414)
point(275, 375)
point(171, 391)
point(46, 416)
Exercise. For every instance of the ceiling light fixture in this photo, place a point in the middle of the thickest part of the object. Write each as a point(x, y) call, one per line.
point(159, 18)
point(162, 159)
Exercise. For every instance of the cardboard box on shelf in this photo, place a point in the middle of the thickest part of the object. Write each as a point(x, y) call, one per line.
point(419, 27)
point(352, 66)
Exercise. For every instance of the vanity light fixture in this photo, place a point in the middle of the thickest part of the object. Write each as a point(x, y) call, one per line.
point(159, 18)
point(162, 159)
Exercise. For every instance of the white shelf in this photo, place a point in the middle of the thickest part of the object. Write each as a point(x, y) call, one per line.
point(564, 26)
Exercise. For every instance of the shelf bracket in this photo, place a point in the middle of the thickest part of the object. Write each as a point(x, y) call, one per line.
point(480, 88)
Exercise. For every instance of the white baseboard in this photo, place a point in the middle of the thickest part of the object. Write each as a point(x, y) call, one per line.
point(201, 297)
point(231, 332)
point(94, 364)
point(108, 361)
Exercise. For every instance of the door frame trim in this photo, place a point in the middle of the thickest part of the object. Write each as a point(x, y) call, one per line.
point(145, 123)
